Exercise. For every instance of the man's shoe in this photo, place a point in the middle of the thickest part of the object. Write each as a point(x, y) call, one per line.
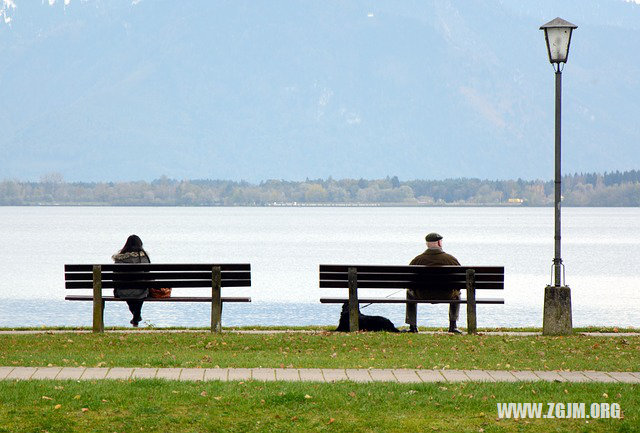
point(413, 329)
point(453, 328)
point(134, 323)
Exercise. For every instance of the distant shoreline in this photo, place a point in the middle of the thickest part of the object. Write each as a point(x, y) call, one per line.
point(616, 189)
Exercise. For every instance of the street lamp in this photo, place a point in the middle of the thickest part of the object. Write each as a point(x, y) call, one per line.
point(557, 297)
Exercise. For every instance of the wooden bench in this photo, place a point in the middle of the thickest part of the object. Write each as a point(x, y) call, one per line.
point(144, 275)
point(468, 278)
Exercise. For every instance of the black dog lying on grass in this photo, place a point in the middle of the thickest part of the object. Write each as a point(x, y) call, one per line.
point(366, 323)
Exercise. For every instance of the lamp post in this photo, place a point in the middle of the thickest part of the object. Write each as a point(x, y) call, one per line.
point(557, 296)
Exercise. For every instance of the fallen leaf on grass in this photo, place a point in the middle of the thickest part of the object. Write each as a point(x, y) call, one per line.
point(294, 418)
point(44, 397)
point(57, 406)
point(204, 393)
point(217, 397)
point(76, 397)
point(331, 420)
point(85, 409)
point(307, 396)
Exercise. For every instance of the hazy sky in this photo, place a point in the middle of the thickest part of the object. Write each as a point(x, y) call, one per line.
point(121, 89)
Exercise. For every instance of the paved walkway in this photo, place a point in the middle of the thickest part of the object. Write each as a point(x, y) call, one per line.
point(313, 375)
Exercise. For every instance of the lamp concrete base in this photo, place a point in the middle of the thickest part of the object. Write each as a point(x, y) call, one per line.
point(557, 311)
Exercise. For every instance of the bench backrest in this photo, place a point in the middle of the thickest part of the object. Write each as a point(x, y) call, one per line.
point(144, 275)
point(399, 277)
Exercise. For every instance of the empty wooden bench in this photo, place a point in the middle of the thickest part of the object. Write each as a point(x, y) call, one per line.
point(468, 278)
point(145, 275)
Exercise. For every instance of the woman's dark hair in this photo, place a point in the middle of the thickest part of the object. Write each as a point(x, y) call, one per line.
point(133, 245)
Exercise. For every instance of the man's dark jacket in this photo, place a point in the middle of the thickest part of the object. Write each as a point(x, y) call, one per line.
point(433, 257)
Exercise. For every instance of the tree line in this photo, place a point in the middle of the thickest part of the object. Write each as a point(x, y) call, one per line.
point(579, 189)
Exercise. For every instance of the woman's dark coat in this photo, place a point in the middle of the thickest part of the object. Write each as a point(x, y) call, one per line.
point(132, 257)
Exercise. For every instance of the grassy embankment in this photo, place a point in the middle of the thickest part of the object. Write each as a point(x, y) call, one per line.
point(322, 350)
point(166, 406)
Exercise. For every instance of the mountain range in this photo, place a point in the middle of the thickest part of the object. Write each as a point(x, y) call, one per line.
point(109, 90)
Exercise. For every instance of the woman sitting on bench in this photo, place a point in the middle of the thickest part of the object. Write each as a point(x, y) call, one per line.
point(132, 252)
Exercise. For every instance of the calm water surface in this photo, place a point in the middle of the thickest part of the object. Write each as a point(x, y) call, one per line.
point(601, 251)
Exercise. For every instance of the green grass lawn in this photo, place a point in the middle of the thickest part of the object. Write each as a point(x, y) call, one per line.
point(165, 406)
point(323, 350)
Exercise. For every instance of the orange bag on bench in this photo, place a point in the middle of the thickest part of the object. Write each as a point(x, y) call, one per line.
point(164, 292)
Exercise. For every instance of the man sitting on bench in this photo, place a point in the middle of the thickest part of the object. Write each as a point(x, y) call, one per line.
point(433, 256)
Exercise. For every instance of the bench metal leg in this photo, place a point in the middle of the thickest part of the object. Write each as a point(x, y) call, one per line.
point(354, 308)
point(216, 300)
point(98, 303)
point(471, 302)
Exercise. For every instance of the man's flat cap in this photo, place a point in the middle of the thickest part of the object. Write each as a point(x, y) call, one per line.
point(433, 237)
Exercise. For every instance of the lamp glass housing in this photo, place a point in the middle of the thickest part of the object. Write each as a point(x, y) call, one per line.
point(558, 40)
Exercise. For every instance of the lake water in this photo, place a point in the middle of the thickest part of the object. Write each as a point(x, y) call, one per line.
point(601, 251)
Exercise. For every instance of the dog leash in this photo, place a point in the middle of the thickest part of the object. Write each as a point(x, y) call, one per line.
point(362, 308)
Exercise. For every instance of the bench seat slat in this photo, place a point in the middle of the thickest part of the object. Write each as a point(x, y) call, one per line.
point(137, 275)
point(158, 267)
point(415, 276)
point(412, 269)
point(410, 301)
point(155, 284)
point(171, 299)
point(408, 285)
